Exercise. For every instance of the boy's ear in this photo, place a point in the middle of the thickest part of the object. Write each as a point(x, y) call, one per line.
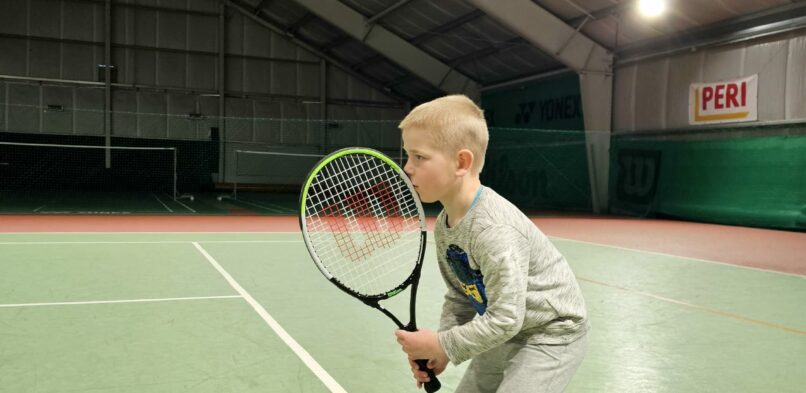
point(464, 162)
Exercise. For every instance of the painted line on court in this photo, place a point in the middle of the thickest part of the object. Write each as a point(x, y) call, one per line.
point(681, 257)
point(168, 299)
point(271, 209)
point(149, 242)
point(697, 306)
point(153, 242)
point(145, 232)
point(306, 358)
point(186, 206)
point(269, 205)
point(162, 203)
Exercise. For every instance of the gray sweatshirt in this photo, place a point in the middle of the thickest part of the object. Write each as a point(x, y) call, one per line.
point(506, 282)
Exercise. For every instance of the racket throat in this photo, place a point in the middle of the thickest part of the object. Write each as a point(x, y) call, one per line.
point(391, 316)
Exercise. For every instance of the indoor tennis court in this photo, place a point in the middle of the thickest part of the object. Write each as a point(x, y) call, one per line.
point(161, 159)
point(184, 311)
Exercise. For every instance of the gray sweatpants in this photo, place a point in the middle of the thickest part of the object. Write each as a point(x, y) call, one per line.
point(524, 368)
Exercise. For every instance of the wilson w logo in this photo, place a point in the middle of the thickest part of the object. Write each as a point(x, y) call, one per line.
point(365, 221)
point(638, 173)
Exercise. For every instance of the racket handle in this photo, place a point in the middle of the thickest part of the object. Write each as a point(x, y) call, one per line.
point(433, 383)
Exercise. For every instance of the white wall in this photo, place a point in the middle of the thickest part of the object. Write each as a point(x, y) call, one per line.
point(167, 66)
point(171, 56)
point(653, 95)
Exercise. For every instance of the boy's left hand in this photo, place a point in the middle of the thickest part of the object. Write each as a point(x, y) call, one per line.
point(421, 376)
point(422, 344)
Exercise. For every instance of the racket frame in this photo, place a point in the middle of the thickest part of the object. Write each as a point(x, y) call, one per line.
point(413, 278)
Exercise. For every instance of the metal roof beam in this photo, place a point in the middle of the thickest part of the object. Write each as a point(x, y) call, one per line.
point(614, 9)
point(490, 50)
point(294, 28)
point(116, 4)
point(392, 47)
point(366, 62)
point(554, 37)
point(259, 6)
point(431, 34)
point(387, 11)
point(336, 42)
point(401, 80)
point(470, 16)
point(264, 21)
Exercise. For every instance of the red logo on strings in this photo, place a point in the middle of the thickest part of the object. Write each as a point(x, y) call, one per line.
point(373, 212)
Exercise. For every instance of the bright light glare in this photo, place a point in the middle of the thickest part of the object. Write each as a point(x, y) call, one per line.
point(651, 8)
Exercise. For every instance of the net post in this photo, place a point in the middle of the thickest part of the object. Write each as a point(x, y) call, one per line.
point(176, 193)
point(174, 174)
point(234, 194)
point(235, 178)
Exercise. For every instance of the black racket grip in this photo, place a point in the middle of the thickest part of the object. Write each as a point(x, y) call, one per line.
point(433, 384)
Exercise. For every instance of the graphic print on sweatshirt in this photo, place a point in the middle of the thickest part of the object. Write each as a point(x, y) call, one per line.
point(472, 281)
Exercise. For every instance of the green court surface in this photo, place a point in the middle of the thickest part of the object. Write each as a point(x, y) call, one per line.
point(238, 312)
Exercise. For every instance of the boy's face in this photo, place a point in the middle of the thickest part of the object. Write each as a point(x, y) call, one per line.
point(431, 171)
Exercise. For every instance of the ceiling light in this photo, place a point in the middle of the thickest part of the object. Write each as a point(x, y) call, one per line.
point(651, 8)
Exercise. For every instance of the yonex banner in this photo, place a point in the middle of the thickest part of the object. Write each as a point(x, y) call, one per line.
point(724, 102)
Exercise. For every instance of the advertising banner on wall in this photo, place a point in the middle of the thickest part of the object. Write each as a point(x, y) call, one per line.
point(724, 102)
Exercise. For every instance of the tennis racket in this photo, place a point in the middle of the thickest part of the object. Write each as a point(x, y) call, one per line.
point(364, 227)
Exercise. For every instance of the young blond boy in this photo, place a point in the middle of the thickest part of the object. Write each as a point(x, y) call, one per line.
point(513, 305)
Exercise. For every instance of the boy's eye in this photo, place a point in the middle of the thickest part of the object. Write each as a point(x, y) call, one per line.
point(419, 157)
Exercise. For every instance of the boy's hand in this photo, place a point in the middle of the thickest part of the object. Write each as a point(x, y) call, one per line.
point(437, 365)
point(422, 344)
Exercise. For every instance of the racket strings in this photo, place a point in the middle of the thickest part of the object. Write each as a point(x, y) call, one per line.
point(378, 177)
point(359, 204)
point(363, 223)
point(365, 207)
point(345, 243)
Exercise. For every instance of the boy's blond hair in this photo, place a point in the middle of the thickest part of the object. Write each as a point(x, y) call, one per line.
point(454, 122)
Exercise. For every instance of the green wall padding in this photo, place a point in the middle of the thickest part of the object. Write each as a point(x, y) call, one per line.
point(536, 157)
point(752, 181)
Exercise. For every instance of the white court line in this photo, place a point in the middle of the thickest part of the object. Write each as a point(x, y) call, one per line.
point(144, 232)
point(306, 358)
point(267, 205)
point(40, 207)
point(153, 242)
point(163, 204)
point(169, 299)
point(186, 206)
point(681, 257)
point(430, 240)
point(271, 209)
point(698, 307)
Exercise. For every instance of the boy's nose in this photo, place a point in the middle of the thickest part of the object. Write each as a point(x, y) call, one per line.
point(407, 168)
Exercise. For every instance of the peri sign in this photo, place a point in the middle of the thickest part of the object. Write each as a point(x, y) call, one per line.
point(724, 102)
